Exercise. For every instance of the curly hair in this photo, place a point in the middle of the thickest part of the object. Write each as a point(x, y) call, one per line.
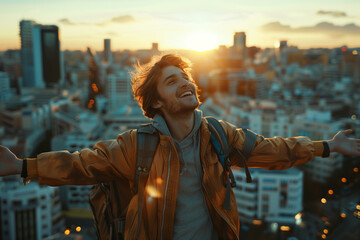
point(144, 80)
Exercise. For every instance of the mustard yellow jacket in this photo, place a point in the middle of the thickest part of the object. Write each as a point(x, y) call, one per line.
point(112, 159)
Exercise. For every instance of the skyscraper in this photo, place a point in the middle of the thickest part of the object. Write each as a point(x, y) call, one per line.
point(40, 54)
point(281, 51)
point(27, 56)
point(239, 46)
point(46, 54)
point(107, 50)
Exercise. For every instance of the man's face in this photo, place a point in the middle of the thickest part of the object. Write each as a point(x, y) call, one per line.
point(177, 94)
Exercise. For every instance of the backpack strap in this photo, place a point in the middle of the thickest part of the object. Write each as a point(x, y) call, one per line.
point(249, 144)
point(147, 142)
point(220, 143)
point(218, 139)
point(248, 147)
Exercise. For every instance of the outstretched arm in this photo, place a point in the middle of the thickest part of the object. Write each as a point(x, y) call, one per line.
point(9, 163)
point(108, 160)
point(344, 145)
point(281, 153)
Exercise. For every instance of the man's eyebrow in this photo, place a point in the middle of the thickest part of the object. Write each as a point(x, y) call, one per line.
point(168, 77)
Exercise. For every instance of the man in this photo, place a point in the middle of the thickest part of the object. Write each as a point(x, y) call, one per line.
point(187, 177)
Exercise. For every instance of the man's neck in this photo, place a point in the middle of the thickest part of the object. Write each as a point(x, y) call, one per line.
point(180, 125)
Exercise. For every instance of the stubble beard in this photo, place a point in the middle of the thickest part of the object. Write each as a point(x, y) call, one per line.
point(178, 109)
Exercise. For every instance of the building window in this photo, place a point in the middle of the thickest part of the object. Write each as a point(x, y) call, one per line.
point(16, 203)
point(25, 224)
point(269, 180)
point(265, 208)
point(265, 197)
point(267, 188)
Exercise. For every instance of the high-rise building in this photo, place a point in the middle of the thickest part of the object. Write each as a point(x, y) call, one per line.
point(281, 52)
point(272, 196)
point(155, 48)
point(118, 89)
point(332, 73)
point(107, 51)
point(40, 54)
point(239, 46)
point(27, 56)
point(31, 212)
point(46, 47)
point(5, 92)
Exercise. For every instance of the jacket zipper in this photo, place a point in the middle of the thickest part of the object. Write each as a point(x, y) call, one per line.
point(166, 188)
point(202, 183)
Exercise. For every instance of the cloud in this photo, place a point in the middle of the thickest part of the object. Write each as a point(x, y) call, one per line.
point(112, 34)
point(322, 27)
point(332, 13)
point(123, 19)
point(66, 21)
point(117, 20)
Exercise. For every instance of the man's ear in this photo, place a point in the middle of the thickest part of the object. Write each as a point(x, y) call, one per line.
point(157, 104)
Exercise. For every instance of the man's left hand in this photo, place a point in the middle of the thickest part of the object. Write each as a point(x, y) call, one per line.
point(341, 143)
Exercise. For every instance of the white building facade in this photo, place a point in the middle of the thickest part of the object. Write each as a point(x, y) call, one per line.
point(273, 196)
point(31, 212)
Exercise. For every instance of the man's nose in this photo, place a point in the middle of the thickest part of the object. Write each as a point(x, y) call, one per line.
point(184, 82)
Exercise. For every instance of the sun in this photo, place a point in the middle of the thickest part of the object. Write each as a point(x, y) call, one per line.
point(201, 41)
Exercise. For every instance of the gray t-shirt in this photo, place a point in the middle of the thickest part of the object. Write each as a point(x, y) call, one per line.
point(192, 217)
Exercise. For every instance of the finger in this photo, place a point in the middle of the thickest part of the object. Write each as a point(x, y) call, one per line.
point(348, 132)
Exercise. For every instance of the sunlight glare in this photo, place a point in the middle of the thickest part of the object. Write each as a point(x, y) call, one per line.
point(201, 41)
point(152, 191)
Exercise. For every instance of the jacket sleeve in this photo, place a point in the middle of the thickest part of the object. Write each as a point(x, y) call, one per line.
point(108, 160)
point(277, 152)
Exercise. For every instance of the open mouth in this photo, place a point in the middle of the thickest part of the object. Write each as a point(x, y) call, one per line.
point(187, 93)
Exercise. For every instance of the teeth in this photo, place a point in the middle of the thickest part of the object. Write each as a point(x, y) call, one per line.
point(188, 93)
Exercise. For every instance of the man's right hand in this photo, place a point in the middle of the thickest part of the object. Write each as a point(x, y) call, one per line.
point(9, 163)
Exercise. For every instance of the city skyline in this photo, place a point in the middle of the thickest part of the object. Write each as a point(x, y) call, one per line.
point(188, 25)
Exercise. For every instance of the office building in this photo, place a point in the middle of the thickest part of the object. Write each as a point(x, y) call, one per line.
point(40, 54)
point(30, 213)
point(239, 46)
point(281, 52)
point(107, 51)
point(46, 48)
point(272, 196)
point(27, 55)
point(5, 92)
point(118, 89)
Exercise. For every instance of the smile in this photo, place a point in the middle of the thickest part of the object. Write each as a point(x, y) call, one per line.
point(185, 94)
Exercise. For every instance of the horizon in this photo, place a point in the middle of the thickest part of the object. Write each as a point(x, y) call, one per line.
point(198, 26)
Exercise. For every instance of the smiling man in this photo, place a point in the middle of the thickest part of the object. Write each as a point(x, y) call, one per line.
point(185, 172)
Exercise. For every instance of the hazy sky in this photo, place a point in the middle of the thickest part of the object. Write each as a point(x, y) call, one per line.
point(195, 24)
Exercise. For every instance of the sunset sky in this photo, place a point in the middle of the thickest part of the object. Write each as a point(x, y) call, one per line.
point(196, 24)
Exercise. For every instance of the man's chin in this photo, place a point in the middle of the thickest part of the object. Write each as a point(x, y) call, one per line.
point(183, 111)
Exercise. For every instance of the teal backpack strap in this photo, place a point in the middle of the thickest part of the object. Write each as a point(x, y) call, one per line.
point(249, 144)
point(219, 141)
point(147, 141)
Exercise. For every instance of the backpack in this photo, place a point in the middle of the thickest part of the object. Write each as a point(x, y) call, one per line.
point(109, 201)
